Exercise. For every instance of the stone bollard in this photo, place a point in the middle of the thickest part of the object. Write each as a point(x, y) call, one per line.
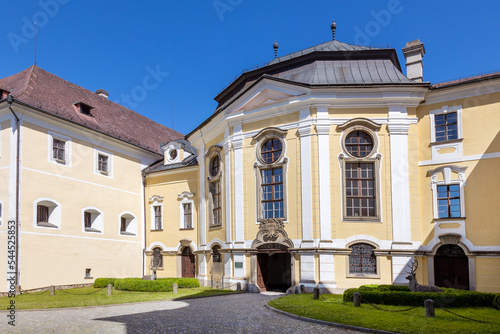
point(316, 293)
point(356, 299)
point(52, 290)
point(238, 286)
point(429, 308)
point(174, 288)
point(110, 289)
point(18, 290)
point(302, 288)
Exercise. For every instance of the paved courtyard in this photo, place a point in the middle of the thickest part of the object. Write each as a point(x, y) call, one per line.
point(223, 314)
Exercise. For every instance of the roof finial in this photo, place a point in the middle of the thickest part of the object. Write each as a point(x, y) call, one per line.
point(334, 27)
point(275, 46)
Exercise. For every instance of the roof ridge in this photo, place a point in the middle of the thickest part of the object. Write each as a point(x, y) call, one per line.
point(27, 86)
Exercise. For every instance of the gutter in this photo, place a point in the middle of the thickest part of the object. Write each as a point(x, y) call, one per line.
point(10, 99)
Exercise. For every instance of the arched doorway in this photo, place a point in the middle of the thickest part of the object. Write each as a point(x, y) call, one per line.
point(273, 267)
point(451, 267)
point(187, 263)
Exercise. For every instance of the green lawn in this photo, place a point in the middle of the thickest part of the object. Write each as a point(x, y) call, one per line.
point(62, 299)
point(414, 321)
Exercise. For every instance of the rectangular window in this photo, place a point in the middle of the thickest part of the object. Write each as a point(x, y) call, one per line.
point(446, 126)
point(272, 193)
point(58, 150)
point(188, 223)
point(157, 210)
point(102, 163)
point(217, 202)
point(42, 214)
point(449, 201)
point(88, 219)
point(123, 224)
point(360, 190)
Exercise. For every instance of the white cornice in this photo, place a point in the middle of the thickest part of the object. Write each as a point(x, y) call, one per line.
point(465, 91)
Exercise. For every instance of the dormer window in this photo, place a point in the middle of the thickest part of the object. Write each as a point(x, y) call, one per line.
point(4, 94)
point(83, 108)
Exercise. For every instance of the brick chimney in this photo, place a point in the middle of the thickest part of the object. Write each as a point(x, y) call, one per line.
point(102, 92)
point(414, 52)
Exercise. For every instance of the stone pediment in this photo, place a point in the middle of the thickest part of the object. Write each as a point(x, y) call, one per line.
point(265, 96)
point(272, 231)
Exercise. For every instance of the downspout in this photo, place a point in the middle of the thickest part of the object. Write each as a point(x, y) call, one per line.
point(144, 223)
point(10, 99)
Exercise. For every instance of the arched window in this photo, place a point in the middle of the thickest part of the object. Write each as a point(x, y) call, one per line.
point(215, 186)
point(128, 224)
point(271, 174)
point(46, 213)
point(362, 260)
point(93, 220)
point(157, 259)
point(359, 144)
point(216, 254)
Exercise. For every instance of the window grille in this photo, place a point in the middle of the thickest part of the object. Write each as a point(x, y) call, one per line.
point(362, 260)
point(42, 214)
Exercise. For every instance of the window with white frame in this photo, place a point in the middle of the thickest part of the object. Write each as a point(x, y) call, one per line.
point(93, 220)
point(156, 205)
point(46, 213)
point(186, 210)
point(214, 186)
point(128, 225)
point(103, 162)
point(446, 124)
point(447, 184)
point(59, 149)
point(271, 174)
point(360, 164)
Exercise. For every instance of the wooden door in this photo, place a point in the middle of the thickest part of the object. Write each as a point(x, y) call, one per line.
point(187, 263)
point(451, 268)
point(262, 271)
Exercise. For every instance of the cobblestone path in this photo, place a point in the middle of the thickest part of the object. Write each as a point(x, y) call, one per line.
point(243, 313)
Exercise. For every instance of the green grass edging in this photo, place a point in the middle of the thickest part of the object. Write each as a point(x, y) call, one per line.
point(332, 309)
point(401, 295)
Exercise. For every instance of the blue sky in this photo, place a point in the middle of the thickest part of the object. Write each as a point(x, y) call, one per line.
point(188, 51)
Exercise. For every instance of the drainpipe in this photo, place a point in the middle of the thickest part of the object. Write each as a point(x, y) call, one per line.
point(144, 222)
point(10, 99)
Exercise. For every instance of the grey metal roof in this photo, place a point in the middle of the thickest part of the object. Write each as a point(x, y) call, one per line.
point(328, 46)
point(332, 72)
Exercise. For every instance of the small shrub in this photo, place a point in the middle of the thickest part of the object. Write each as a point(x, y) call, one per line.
point(103, 282)
point(398, 295)
point(159, 285)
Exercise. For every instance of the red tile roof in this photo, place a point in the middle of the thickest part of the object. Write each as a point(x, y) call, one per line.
point(41, 89)
point(466, 80)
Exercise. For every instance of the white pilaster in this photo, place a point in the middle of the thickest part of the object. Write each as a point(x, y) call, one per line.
point(203, 216)
point(323, 128)
point(239, 266)
point(227, 183)
point(400, 185)
point(327, 272)
point(400, 269)
point(237, 142)
point(307, 270)
point(305, 173)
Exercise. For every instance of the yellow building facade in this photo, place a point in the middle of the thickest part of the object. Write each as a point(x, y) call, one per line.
point(330, 168)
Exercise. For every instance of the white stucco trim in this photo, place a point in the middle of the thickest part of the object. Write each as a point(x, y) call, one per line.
point(203, 206)
point(227, 184)
point(449, 160)
point(447, 180)
point(185, 198)
point(109, 155)
point(306, 173)
point(155, 201)
point(55, 215)
point(97, 220)
point(323, 128)
point(99, 239)
point(73, 179)
point(400, 185)
point(131, 224)
point(156, 244)
point(67, 149)
point(237, 141)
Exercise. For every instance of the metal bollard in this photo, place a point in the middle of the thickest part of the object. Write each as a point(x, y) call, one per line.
point(429, 308)
point(356, 299)
point(110, 289)
point(316, 293)
point(174, 288)
point(52, 290)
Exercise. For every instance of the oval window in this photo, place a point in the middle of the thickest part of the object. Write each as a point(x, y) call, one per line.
point(359, 144)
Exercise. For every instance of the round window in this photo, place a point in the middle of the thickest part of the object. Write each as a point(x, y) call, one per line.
point(271, 150)
point(359, 144)
point(173, 154)
point(215, 165)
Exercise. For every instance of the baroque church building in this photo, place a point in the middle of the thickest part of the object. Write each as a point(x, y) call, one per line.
point(327, 167)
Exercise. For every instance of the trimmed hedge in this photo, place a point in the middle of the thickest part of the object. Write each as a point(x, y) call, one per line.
point(103, 282)
point(401, 295)
point(159, 285)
